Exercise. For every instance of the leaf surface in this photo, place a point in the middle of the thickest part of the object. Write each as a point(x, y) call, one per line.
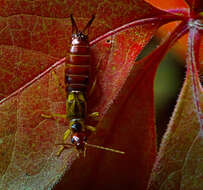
point(180, 48)
point(35, 34)
point(179, 160)
point(179, 164)
point(128, 125)
point(28, 151)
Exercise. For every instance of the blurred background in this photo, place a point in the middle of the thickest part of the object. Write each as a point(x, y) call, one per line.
point(168, 83)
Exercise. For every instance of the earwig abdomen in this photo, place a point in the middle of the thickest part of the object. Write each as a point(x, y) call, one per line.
point(78, 67)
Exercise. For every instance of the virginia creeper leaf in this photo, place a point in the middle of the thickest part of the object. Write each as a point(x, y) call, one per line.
point(172, 4)
point(35, 30)
point(28, 145)
point(180, 48)
point(178, 165)
point(179, 145)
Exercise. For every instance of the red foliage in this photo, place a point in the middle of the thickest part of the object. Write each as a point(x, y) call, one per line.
point(37, 33)
point(28, 154)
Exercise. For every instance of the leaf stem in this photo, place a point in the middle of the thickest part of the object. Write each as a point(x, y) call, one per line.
point(193, 65)
point(162, 19)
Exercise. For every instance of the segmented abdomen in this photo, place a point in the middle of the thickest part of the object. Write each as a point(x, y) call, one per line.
point(77, 68)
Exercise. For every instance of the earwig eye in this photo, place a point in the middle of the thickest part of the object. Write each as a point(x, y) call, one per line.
point(76, 127)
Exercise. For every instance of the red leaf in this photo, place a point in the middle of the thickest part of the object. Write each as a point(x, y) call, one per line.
point(179, 165)
point(180, 150)
point(28, 143)
point(34, 34)
point(180, 47)
point(126, 124)
point(167, 5)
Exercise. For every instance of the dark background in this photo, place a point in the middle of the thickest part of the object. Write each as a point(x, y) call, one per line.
point(167, 85)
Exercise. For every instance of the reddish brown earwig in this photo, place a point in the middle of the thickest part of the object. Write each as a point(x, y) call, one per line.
point(76, 80)
point(77, 71)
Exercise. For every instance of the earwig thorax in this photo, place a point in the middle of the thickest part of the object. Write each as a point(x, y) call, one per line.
point(76, 105)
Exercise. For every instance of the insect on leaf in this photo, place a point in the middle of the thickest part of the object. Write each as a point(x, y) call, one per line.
point(28, 145)
point(27, 140)
point(35, 34)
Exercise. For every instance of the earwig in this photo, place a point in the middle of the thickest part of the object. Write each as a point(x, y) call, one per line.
point(77, 74)
point(77, 71)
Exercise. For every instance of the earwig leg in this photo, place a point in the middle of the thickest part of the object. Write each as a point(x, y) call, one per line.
point(91, 128)
point(98, 64)
point(54, 115)
point(94, 115)
point(60, 150)
point(92, 88)
point(58, 83)
point(47, 116)
point(66, 134)
point(95, 80)
point(62, 147)
point(85, 152)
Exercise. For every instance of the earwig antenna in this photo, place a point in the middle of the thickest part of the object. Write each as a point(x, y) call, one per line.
point(104, 148)
point(65, 144)
point(74, 25)
point(93, 146)
point(88, 24)
point(85, 152)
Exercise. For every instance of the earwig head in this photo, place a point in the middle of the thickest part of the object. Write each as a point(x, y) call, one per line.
point(80, 36)
point(79, 135)
point(79, 140)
